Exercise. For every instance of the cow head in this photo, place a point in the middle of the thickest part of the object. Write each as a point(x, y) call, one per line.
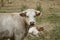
point(30, 15)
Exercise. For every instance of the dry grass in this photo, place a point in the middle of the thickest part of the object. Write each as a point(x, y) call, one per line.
point(50, 18)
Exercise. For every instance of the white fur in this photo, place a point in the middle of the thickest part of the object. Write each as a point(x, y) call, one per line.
point(12, 24)
point(33, 31)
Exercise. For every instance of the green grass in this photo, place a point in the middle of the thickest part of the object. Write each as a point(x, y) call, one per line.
point(38, 7)
point(54, 18)
point(13, 9)
point(23, 7)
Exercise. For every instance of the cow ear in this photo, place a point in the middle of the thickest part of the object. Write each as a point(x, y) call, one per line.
point(38, 13)
point(40, 28)
point(23, 14)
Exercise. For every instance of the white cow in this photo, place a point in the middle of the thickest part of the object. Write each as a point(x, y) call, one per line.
point(14, 26)
point(35, 30)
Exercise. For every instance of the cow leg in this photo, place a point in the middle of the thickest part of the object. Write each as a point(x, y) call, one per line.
point(13, 37)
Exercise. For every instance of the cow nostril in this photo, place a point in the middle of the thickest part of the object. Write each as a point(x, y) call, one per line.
point(31, 23)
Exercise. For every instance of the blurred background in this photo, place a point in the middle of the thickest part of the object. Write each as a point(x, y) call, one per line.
point(50, 18)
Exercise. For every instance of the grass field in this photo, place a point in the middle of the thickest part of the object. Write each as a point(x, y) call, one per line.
point(50, 18)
